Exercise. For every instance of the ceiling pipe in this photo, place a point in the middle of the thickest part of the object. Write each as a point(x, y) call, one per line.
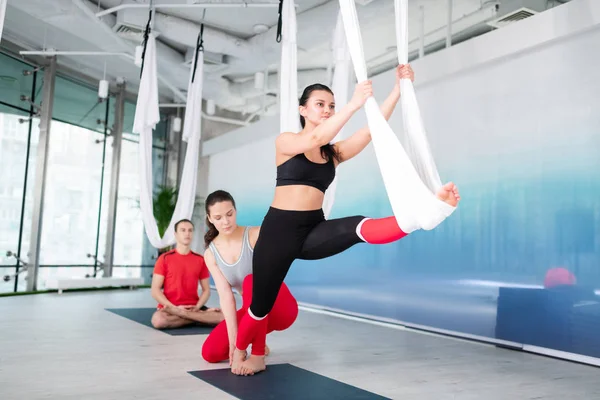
point(196, 5)
point(174, 72)
point(87, 8)
point(186, 32)
point(226, 94)
point(173, 63)
point(50, 53)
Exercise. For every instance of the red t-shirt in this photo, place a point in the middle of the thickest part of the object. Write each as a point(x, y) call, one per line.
point(182, 274)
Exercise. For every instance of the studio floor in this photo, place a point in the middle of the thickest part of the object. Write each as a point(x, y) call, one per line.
point(69, 346)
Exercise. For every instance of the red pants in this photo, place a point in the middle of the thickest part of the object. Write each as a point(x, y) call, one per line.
point(216, 346)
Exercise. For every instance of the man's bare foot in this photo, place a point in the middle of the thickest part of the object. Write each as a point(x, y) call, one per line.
point(449, 194)
point(239, 357)
point(253, 365)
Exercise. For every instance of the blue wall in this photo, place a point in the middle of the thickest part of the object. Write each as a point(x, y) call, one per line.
point(521, 138)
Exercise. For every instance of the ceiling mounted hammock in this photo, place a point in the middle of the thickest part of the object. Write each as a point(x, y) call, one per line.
point(340, 84)
point(411, 193)
point(146, 117)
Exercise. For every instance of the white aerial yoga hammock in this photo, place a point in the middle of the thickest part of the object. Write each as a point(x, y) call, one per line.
point(339, 86)
point(413, 202)
point(289, 117)
point(2, 15)
point(417, 144)
point(146, 117)
point(288, 106)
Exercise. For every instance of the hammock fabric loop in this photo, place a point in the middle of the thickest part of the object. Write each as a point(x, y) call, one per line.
point(280, 22)
point(199, 48)
point(146, 117)
point(147, 32)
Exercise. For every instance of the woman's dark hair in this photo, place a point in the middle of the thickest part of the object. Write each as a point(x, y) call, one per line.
point(327, 151)
point(215, 197)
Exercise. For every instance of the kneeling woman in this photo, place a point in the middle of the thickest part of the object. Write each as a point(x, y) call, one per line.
point(228, 256)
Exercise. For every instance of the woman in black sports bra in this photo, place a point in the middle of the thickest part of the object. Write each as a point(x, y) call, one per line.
point(295, 227)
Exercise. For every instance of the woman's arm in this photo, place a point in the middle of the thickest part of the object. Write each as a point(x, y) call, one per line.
point(356, 143)
point(253, 235)
point(348, 148)
point(226, 299)
point(291, 144)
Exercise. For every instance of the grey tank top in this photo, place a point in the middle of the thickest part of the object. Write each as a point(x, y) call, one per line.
point(235, 273)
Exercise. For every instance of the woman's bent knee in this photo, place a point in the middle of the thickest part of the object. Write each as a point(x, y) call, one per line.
point(210, 354)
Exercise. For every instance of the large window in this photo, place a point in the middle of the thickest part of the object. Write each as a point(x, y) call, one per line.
point(72, 195)
point(78, 179)
point(14, 132)
point(19, 85)
point(17, 80)
point(131, 245)
point(129, 229)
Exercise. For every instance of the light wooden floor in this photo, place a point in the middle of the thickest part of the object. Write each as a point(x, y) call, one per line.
point(68, 347)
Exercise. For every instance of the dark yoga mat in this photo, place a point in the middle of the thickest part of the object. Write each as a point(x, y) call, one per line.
point(283, 381)
point(144, 316)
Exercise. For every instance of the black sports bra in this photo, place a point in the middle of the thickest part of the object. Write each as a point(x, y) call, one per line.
point(299, 170)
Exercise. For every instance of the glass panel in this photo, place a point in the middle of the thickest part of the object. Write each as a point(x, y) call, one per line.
point(29, 195)
point(131, 244)
point(14, 136)
point(72, 195)
point(129, 229)
point(107, 160)
point(78, 105)
point(13, 83)
point(13, 148)
point(158, 168)
point(129, 116)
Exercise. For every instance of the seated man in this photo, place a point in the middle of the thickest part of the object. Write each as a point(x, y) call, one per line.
point(175, 285)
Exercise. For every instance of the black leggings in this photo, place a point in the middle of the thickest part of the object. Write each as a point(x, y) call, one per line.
point(289, 235)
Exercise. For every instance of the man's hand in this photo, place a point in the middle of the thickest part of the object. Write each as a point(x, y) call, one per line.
point(197, 308)
point(180, 311)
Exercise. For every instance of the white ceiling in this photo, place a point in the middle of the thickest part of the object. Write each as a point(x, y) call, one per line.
point(71, 25)
point(224, 18)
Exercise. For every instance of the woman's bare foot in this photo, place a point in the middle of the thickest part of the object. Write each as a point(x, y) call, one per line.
point(253, 365)
point(239, 357)
point(449, 194)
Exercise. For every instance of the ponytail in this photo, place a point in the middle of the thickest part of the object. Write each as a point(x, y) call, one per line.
point(211, 234)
